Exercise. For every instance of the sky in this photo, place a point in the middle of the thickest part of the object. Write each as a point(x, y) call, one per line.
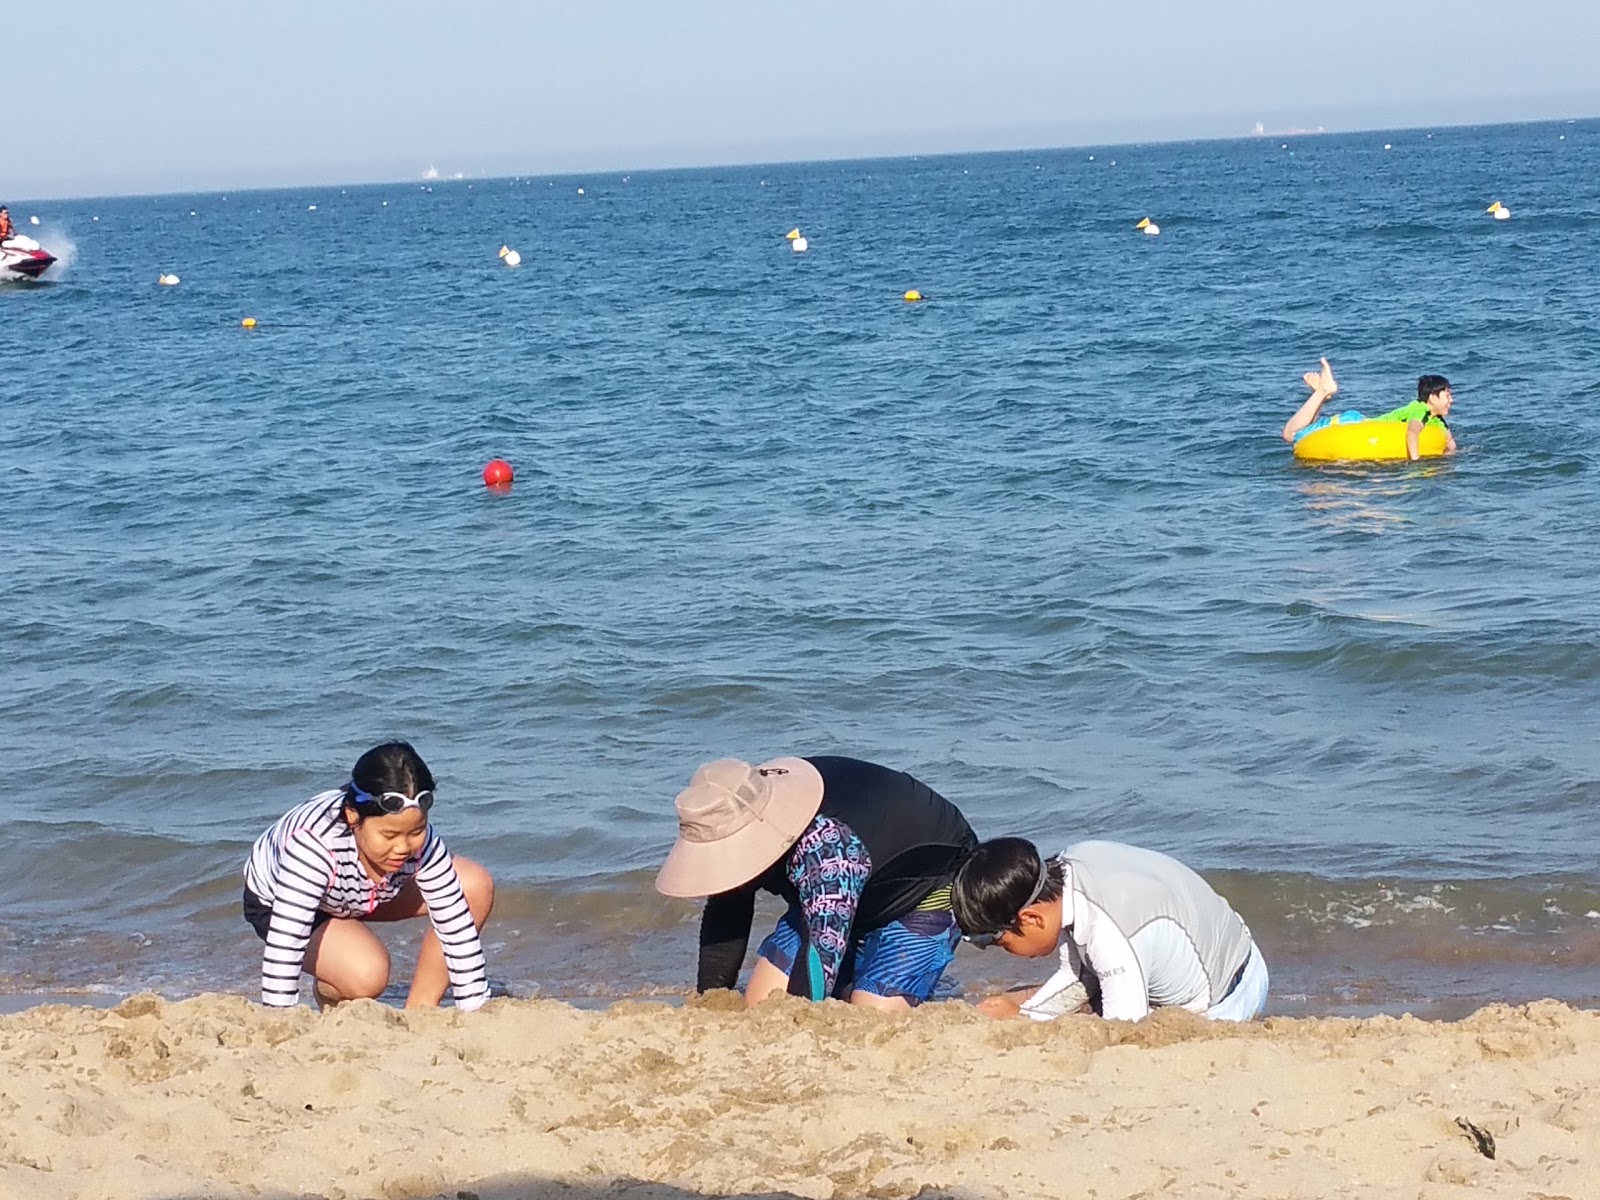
point(195, 95)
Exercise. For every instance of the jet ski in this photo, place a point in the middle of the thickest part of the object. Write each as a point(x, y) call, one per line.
point(23, 258)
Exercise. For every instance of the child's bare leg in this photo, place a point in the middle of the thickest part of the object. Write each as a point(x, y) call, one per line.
point(432, 977)
point(1323, 387)
point(348, 962)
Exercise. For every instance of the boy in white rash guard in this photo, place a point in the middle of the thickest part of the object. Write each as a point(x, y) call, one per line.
point(366, 852)
point(1141, 929)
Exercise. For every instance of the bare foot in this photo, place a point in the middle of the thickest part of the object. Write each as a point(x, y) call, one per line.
point(1326, 381)
point(326, 997)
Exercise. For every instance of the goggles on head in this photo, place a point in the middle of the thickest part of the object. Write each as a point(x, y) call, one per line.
point(984, 940)
point(393, 802)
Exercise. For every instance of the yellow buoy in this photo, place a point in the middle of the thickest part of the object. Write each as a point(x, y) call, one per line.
point(248, 322)
point(1498, 211)
point(912, 296)
point(513, 259)
point(1368, 441)
point(793, 233)
point(1150, 228)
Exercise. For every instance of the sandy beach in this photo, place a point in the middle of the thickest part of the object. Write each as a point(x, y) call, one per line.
point(217, 1098)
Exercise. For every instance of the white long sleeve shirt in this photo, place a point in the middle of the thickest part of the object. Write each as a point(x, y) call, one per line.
point(308, 862)
point(1148, 929)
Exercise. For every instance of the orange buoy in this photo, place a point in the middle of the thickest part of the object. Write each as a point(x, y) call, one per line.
point(498, 473)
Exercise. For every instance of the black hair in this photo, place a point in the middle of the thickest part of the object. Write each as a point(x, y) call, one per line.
point(993, 885)
point(391, 767)
point(1431, 385)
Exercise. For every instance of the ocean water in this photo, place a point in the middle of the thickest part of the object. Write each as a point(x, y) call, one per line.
point(1035, 540)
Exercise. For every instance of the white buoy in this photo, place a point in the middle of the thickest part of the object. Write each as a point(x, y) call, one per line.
point(1387, 146)
point(580, 191)
point(166, 280)
point(311, 208)
point(1498, 211)
point(1149, 227)
point(33, 220)
point(798, 245)
point(511, 257)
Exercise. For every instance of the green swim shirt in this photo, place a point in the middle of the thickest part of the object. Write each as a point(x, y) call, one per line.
point(1417, 410)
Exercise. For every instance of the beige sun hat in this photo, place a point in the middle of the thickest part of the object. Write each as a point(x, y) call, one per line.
point(735, 821)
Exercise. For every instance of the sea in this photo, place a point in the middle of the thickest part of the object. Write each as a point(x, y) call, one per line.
point(1035, 539)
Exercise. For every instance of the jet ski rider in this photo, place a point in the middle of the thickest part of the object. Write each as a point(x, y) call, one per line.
point(6, 229)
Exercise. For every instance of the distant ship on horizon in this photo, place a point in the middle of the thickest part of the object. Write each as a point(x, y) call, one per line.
point(1262, 131)
point(431, 173)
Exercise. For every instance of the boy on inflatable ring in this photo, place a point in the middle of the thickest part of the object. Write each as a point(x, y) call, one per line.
point(1432, 404)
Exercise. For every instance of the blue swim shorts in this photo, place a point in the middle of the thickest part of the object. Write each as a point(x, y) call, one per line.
point(904, 958)
point(1345, 417)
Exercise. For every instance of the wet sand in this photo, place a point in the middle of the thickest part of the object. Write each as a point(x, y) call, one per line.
point(216, 1097)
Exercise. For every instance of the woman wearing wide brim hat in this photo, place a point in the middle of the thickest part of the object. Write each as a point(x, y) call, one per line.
point(864, 856)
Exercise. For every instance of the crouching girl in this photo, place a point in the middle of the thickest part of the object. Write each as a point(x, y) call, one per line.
point(359, 853)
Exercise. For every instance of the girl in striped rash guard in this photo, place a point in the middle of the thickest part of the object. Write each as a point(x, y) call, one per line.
point(366, 852)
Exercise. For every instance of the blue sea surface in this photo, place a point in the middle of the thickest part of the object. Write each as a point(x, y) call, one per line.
point(1035, 539)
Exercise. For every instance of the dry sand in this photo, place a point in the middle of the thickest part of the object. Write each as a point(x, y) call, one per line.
point(216, 1097)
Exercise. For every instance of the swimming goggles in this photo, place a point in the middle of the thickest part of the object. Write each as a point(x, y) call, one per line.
point(984, 940)
point(393, 802)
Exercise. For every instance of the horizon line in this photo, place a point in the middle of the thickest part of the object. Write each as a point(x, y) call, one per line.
point(421, 178)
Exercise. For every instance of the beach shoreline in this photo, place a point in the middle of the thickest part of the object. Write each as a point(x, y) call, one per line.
point(218, 1097)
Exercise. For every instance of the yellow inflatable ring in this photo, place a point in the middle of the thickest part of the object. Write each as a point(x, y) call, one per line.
point(1368, 441)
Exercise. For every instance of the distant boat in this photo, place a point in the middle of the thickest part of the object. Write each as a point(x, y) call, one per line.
point(431, 173)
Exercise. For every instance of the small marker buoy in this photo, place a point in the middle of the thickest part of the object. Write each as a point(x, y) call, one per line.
point(498, 473)
point(1498, 211)
point(799, 245)
point(311, 208)
point(248, 323)
point(912, 296)
point(1149, 227)
point(580, 191)
point(513, 259)
point(793, 233)
point(33, 220)
point(166, 280)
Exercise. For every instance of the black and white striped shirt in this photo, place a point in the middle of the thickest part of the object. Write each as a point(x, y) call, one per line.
point(308, 861)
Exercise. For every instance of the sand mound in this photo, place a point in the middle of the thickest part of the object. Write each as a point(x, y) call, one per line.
point(216, 1097)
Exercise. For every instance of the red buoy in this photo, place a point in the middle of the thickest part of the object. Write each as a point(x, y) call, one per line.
point(498, 474)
